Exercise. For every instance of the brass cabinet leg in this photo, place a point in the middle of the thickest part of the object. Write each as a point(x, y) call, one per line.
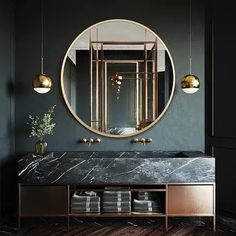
point(214, 208)
point(68, 207)
point(214, 223)
point(19, 223)
point(19, 207)
point(166, 223)
point(166, 207)
point(68, 223)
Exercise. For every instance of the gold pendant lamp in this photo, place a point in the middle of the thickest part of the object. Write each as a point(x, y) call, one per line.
point(42, 83)
point(190, 83)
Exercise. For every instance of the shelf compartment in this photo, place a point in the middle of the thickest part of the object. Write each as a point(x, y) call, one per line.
point(43, 201)
point(191, 200)
point(117, 214)
point(97, 188)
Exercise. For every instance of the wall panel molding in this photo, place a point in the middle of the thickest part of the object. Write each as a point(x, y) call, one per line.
point(220, 130)
point(221, 142)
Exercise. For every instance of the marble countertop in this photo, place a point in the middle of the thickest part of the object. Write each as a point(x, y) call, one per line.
point(97, 167)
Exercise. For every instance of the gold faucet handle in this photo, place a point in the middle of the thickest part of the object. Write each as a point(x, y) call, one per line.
point(97, 140)
point(148, 140)
point(135, 140)
point(84, 140)
point(143, 140)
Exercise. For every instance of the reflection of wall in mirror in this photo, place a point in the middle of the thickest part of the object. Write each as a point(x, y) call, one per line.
point(70, 84)
point(121, 110)
point(83, 85)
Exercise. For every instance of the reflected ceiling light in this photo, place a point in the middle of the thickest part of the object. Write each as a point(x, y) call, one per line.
point(117, 81)
point(42, 83)
point(190, 83)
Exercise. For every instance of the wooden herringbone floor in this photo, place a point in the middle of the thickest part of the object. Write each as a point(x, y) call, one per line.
point(123, 231)
point(118, 227)
point(225, 226)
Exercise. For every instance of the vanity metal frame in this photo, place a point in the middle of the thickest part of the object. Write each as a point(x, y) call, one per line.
point(196, 202)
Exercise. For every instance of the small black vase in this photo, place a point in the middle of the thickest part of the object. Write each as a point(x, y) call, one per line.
point(40, 147)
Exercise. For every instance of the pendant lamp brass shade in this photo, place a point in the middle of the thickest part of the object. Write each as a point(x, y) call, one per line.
point(190, 83)
point(42, 83)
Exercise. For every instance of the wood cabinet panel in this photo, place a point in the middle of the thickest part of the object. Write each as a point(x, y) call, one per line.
point(191, 200)
point(43, 200)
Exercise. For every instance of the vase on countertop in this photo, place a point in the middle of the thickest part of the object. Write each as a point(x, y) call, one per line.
point(40, 147)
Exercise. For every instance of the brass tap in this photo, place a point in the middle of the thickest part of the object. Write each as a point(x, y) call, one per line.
point(148, 140)
point(84, 140)
point(97, 140)
point(91, 140)
point(142, 140)
point(135, 140)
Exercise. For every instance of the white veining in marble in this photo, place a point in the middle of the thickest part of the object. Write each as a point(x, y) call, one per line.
point(68, 171)
point(115, 167)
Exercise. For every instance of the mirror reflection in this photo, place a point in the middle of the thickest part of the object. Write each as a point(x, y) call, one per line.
point(117, 78)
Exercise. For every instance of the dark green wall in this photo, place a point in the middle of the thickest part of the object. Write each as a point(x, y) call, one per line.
point(220, 101)
point(6, 103)
point(182, 128)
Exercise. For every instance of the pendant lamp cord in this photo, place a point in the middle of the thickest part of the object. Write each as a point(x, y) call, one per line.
point(190, 37)
point(42, 37)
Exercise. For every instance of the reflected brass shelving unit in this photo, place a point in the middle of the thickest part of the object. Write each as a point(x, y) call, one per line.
point(99, 81)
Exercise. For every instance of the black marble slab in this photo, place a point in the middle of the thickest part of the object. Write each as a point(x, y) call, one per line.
point(116, 168)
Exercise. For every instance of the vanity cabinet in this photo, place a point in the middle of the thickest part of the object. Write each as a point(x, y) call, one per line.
point(185, 182)
point(43, 200)
point(191, 200)
point(196, 199)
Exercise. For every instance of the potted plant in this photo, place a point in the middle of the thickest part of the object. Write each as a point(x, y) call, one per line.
point(40, 128)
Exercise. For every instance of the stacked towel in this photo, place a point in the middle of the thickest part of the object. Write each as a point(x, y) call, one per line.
point(85, 202)
point(116, 201)
point(146, 195)
point(146, 206)
point(147, 202)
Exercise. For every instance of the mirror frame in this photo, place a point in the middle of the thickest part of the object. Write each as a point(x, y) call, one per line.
point(81, 121)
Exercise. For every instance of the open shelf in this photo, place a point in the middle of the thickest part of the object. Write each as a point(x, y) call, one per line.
point(176, 200)
point(132, 188)
point(117, 214)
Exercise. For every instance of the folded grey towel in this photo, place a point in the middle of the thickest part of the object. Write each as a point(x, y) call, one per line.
point(85, 204)
point(117, 191)
point(85, 193)
point(146, 205)
point(117, 194)
point(84, 207)
point(146, 209)
point(117, 204)
point(116, 198)
point(146, 195)
point(78, 198)
point(116, 209)
point(142, 203)
point(75, 210)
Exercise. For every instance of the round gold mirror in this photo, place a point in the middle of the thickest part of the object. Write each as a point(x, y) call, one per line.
point(118, 78)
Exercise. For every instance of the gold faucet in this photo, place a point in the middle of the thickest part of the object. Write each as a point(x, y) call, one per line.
point(91, 141)
point(142, 140)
